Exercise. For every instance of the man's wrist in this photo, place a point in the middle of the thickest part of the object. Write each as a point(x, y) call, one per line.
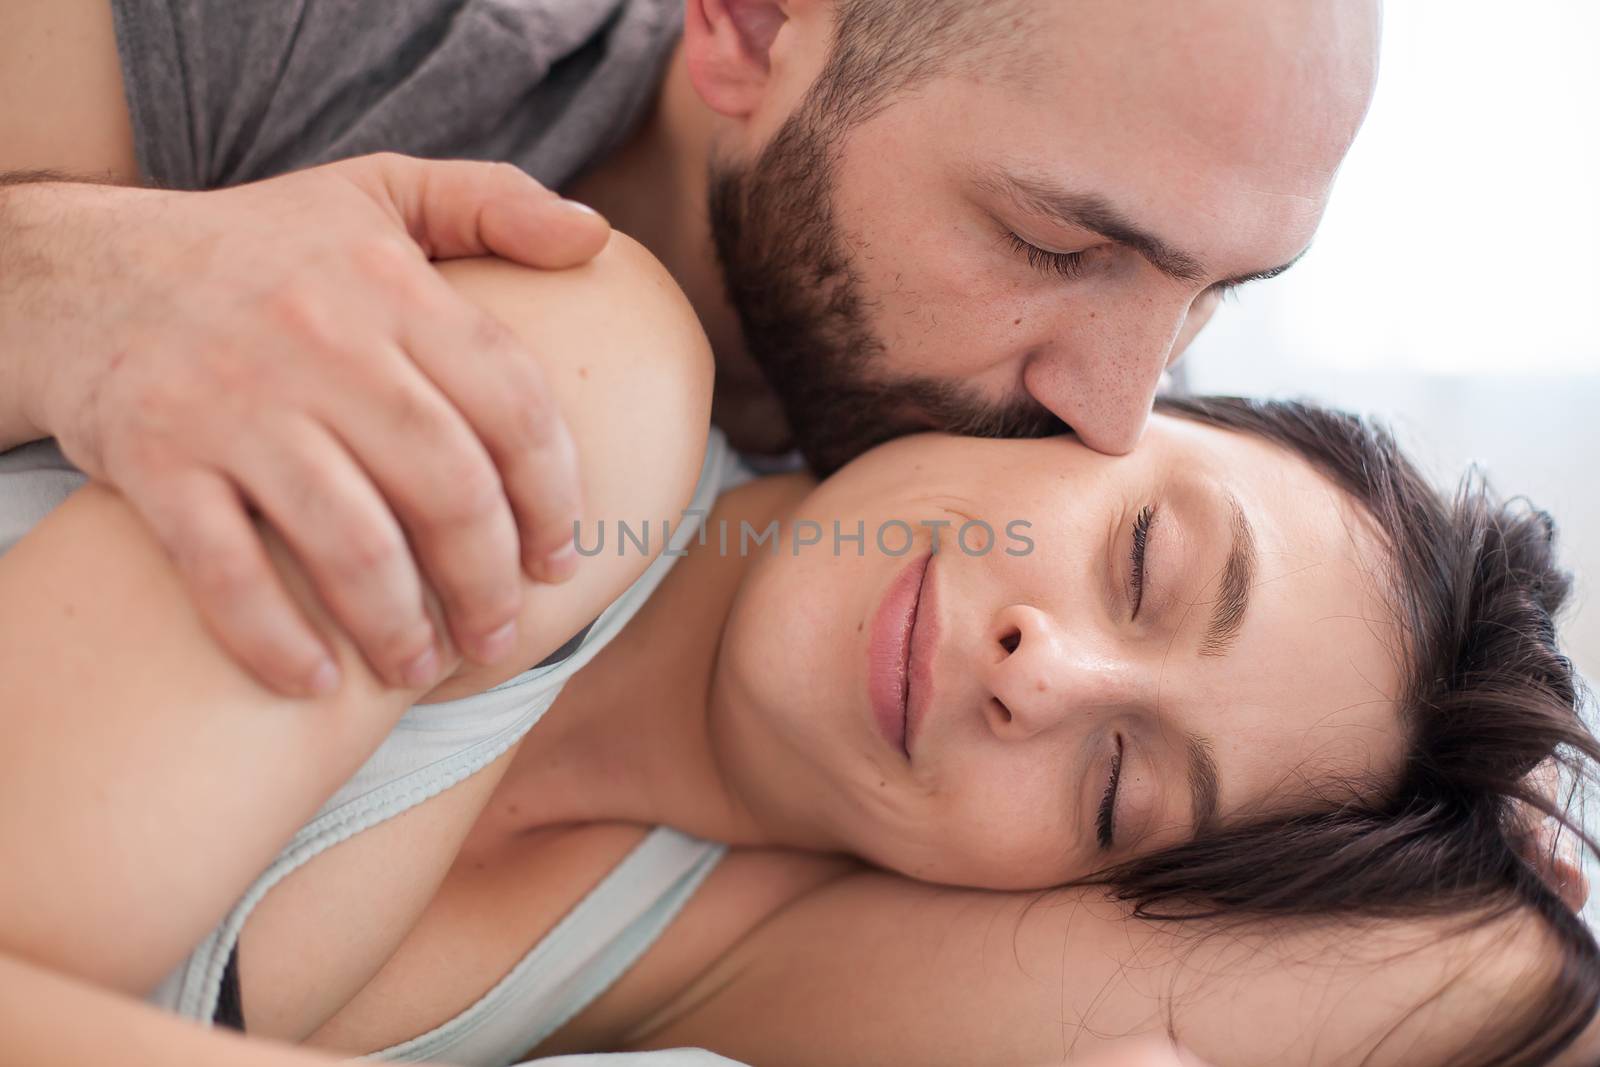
point(21, 261)
point(40, 317)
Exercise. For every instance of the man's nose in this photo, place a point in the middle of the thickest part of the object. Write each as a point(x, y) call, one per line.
point(1038, 672)
point(1100, 375)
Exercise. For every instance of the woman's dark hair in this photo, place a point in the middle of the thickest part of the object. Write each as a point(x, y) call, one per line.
point(1488, 697)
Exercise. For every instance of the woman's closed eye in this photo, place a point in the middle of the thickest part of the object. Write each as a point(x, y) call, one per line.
point(1105, 819)
point(1141, 542)
point(1062, 264)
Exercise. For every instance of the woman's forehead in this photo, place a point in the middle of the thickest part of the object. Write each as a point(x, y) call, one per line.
point(1313, 683)
point(1247, 464)
point(1321, 664)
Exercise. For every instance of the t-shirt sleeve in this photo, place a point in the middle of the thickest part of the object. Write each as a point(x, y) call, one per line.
point(200, 78)
point(228, 91)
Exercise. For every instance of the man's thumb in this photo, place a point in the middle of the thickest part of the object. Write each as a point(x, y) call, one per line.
point(457, 208)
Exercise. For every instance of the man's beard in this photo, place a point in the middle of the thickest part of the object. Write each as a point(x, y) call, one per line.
point(803, 315)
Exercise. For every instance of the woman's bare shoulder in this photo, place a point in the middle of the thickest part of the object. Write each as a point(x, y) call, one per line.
point(630, 372)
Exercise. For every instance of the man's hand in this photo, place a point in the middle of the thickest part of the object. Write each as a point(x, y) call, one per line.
point(286, 348)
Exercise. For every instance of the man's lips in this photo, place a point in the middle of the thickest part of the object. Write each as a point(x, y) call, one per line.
point(890, 653)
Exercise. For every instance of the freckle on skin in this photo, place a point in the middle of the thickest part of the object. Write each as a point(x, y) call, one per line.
point(1016, 322)
point(859, 625)
point(1039, 686)
point(583, 372)
point(1093, 315)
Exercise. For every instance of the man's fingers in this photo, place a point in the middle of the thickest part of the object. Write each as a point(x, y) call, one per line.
point(446, 492)
point(502, 391)
point(318, 273)
point(552, 233)
point(456, 208)
point(200, 520)
point(339, 528)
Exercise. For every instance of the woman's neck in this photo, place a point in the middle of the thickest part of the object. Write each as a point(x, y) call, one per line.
point(629, 739)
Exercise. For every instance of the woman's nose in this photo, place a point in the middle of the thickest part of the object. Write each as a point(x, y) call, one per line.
point(1039, 673)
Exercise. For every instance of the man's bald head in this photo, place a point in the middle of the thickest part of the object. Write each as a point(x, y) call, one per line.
point(1009, 216)
point(881, 47)
point(1225, 55)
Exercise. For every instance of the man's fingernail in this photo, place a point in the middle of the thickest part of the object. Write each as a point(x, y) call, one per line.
point(421, 669)
point(324, 680)
point(561, 564)
point(493, 646)
point(578, 208)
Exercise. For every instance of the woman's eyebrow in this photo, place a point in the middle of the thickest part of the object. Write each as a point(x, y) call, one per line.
point(1238, 574)
point(1204, 788)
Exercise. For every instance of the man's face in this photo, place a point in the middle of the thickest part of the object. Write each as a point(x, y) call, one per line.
point(1030, 238)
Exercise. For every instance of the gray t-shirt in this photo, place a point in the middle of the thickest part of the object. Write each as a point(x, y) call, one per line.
point(230, 91)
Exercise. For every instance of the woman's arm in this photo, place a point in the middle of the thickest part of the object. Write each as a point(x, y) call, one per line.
point(145, 778)
point(877, 969)
point(49, 1020)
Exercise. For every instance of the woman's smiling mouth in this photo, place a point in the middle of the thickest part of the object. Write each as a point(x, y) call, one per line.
point(891, 654)
point(920, 656)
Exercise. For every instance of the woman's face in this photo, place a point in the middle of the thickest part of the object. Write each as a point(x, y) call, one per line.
point(1147, 644)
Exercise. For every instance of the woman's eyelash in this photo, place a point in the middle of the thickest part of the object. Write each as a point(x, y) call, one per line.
point(1065, 264)
point(1108, 801)
point(1141, 537)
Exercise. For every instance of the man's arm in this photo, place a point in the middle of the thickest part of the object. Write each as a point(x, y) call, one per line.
point(283, 348)
point(146, 778)
point(40, 95)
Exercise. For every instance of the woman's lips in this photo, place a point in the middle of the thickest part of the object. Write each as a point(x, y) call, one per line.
point(889, 653)
point(919, 661)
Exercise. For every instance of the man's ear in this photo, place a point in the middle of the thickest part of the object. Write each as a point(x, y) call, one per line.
point(726, 45)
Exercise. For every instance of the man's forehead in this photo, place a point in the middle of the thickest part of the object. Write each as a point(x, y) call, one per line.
point(1240, 189)
point(1258, 81)
point(1230, 37)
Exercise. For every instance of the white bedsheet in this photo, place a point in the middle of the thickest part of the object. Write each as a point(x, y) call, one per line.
point(672, 1057)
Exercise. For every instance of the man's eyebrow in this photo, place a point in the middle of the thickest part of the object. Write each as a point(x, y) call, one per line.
point(1238, 574)
point(1203, 784)
point(1091, 211)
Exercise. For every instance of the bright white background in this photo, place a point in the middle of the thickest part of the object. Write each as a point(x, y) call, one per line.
point(1454, 285)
